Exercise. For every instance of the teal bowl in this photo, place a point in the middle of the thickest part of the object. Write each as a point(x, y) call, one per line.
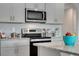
point(70, 40)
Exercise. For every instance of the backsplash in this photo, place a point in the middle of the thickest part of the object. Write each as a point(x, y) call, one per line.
point(8, 28)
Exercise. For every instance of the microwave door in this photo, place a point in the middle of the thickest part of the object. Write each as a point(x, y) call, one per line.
point(34, 15)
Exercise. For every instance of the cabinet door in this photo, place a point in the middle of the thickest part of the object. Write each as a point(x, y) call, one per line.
point(50, 8)
point(37, 6)
point(18, 12)
point(23, 50)
point(59, 12)
point(8, 51)
point(5, 12)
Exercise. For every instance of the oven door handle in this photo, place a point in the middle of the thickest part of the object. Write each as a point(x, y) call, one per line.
point(40, 41)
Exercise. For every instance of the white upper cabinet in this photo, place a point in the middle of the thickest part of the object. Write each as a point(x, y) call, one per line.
point(60, 12)
point(5, 12)
point(35, 6)
point(18, 12)
point(50, 9)
point(55, 12)
point(12, 12)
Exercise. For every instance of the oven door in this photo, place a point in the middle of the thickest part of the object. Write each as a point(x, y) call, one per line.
point(35, 16)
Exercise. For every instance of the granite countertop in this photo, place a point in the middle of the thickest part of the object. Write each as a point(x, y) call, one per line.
point(59, 45)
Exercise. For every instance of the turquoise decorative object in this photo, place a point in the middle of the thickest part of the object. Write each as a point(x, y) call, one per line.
point(70, 40)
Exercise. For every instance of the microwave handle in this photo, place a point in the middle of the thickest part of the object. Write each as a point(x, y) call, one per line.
point(25, 14)
point(43, 15)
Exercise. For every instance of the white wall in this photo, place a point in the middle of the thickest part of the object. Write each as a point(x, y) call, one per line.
point(77, 25)
point(77, 15)
point(70, 18)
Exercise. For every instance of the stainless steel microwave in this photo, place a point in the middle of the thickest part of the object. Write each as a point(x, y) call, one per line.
point(35, 16)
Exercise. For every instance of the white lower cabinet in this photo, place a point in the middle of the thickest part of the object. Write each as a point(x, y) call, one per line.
point(22, 51)
point(17, 47)
point(44, 51)
point(15, 51)
point(66, 54)
point(7, 51)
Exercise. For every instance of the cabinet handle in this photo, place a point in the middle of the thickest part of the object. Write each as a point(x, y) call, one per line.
point(10, 17)
point(13, 17)
point(56, 20)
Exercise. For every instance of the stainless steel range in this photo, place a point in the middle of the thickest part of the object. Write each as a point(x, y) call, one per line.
point(36, 36)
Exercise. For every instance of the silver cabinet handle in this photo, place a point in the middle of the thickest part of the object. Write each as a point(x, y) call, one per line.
point(55, 20)
point(10, 17)
point(13, 17)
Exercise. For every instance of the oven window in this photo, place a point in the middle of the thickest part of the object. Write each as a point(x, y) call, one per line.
point(34, 15)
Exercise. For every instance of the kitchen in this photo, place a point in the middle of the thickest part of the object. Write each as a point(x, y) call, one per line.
point(23, 24)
